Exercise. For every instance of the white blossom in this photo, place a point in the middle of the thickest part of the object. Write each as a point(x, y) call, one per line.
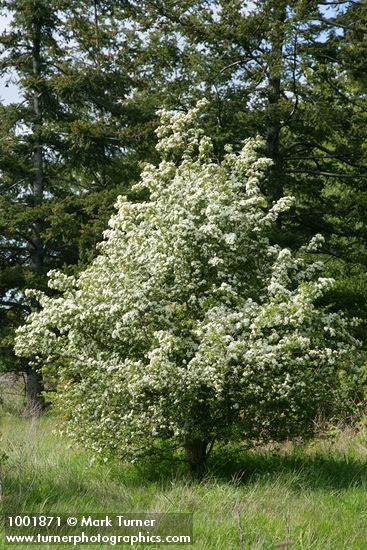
point(190, 323)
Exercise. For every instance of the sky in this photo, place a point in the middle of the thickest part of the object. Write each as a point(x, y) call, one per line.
point(10, 93)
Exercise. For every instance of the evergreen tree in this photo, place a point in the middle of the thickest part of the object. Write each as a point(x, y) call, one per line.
point(67, 149)
point(287, 70)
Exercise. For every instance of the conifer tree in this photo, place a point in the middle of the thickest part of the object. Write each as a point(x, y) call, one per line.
point(287, 70)
point(68, 147)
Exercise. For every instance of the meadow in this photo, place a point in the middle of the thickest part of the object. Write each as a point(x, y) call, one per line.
point(305, 496)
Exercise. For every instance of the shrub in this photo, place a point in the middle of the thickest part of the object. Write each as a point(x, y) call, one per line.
point(190, 326)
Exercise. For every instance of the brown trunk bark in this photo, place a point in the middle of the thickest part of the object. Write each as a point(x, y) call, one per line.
point(35, 402)
point(196, 456)
point(274, 96)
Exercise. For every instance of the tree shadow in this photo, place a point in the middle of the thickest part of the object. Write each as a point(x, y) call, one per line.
point(323, 470)
point(329, 470)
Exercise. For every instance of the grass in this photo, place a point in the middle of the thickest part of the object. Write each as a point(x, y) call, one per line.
point(315, 495)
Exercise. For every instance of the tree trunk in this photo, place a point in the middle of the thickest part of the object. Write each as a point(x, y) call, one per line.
point(35, 403)
point(196, 456)
point(275, 70)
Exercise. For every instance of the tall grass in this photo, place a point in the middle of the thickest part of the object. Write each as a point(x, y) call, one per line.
point(314, 496)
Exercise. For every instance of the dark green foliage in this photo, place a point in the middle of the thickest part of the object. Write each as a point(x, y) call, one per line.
point(294, 72)
point(70, 145)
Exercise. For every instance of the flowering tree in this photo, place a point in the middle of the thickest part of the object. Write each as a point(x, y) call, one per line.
point(190, 327)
